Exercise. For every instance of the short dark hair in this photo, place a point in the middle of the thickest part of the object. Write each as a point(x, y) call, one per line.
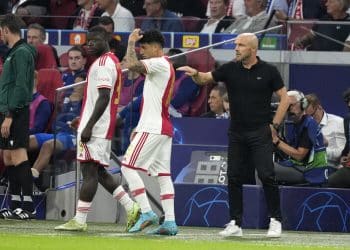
point(81, 75)
point(39, 27)
point(221, 89)
point(153, 36)
point(78, 48)
point(102, 33)
point(313, 100)
point(12, 22)
point(106, 20)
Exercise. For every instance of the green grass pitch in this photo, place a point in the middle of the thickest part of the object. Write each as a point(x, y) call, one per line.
point(37, 235)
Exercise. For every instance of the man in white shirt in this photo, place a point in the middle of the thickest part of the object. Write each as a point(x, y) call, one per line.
point(218, 21)
point(123, 19)
point(331, 127)
point(254, 21)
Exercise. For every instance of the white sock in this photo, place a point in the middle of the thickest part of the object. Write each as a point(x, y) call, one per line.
point(35, 173)
point(137, 188)
point(167, 197)
point(83, 208)
point(123, 197)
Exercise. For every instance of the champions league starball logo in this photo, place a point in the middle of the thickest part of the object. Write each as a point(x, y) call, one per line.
point(204, 204)
point(322, 211)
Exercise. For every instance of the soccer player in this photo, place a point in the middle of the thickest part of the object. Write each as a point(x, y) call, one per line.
point(95, 131)
point(150, 148)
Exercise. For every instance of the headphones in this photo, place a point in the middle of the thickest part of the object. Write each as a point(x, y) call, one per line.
point(300, 96)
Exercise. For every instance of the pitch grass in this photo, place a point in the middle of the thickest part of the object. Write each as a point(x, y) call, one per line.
point(38, 235)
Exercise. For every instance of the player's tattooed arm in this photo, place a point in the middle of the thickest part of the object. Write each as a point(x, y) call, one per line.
point(133, 63)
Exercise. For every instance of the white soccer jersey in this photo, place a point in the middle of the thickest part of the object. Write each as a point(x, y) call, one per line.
point(156, 97)
point(105, 72)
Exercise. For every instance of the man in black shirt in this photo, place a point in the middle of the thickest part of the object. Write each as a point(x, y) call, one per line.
point(250, 83)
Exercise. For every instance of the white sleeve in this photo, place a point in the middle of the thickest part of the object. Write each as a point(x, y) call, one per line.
point(154, 65)
point(105, 75)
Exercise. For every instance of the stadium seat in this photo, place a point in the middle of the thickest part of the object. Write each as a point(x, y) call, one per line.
point(139, 20)
point(64, 59)
point(60, 10)
point(297, 30)
point(48, 81)
point(63, 62)
point(203, 61)
point(191, 23)
point(45, 57)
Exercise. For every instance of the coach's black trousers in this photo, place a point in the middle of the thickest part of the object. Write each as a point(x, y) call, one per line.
point(249, 150)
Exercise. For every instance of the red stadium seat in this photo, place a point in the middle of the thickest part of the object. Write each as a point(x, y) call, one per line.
point(59, 11)
point(191, 23)
point(48, 81)
point(45, 57)
point(203, 61)
point(64, 60)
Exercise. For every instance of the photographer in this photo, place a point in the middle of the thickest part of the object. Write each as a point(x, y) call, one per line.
point(341, 178)
point(303, 145)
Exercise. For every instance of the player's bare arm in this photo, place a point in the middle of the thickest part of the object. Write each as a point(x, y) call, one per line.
point(201, 78)
point(282, 107)
point(100, 107)
point(133, 63)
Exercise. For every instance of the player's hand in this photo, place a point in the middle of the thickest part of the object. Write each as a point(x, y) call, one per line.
point(188, 70)
point(135, 35)
point(5, 127)
point(74, 124)
point(86, 135)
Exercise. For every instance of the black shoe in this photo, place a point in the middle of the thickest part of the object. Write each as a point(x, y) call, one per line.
point(20, 214)
point(5, 213)
point(39, 183)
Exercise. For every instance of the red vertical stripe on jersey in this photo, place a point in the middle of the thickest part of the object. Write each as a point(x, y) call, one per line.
point(115, 97)
point(167, 127)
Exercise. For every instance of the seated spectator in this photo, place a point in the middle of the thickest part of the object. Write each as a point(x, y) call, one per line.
point(306, 9)
point(76, 64)
point(235, 8)
point(40, 111)
point(255, 20)
point(303, 145)
point(36, 35)
point(331, 128)
point(65, 139)
point(218, 20)
point(85, 16)
point(216, 103)
point(160, 18)
point(114, 43)
point(313, 40)
point(32, 11)
point(123, 19)
point(341, 178)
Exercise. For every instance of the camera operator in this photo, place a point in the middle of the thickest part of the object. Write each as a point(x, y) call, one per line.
point(303, 144)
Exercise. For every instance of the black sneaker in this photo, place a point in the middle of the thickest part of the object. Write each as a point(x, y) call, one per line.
point(20, 214)
point(5, 213)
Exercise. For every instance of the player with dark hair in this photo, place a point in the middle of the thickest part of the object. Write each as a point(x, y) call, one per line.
point(16, 84)
point(96, 129)
point(150, 148)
